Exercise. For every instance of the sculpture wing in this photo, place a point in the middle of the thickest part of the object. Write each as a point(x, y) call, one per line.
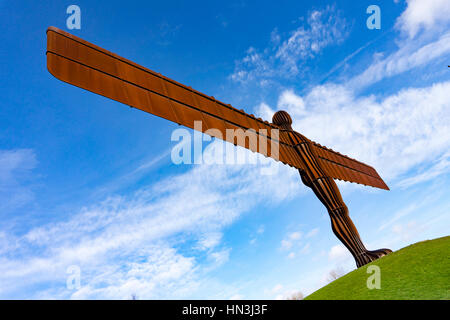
point(339, 166)
point(90, 67)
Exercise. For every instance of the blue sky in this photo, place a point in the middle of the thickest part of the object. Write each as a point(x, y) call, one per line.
point(88, 182)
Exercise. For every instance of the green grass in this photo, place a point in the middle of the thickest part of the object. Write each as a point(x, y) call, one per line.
point(419, 271)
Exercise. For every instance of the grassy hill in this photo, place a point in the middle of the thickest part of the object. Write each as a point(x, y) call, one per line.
point(419, 271)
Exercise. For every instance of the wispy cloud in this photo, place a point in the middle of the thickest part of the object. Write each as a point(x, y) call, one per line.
point(290, 239)
point(432, 195)
point(131, 177)
point(408, 57)
point(283, 58)
point(416, 49)
point(312, 233)
point(15, 170)
point(324, 28)
point(339, 254)
point(438, 167)
point(127, 245)
point(349, 57)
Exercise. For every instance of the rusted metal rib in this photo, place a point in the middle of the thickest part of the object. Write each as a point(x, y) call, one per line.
point(342, 167)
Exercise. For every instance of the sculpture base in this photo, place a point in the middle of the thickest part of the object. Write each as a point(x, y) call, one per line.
point(369, 256)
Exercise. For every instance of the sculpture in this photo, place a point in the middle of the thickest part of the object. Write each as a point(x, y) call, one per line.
point(90, 67)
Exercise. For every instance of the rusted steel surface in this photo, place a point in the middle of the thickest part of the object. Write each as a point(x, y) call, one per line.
point(320, 165)
point(342, 167)
point(90, 67)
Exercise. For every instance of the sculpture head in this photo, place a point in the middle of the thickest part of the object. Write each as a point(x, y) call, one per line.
point(282, 119)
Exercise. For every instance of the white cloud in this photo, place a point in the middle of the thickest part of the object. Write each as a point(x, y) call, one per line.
point(312, 233)
point(277, 288)
point(284, 57)
point(260, 229)
point(427, 15)
point(295, 235)
point(400, 214)
point(209, 240)
point(339, 253)
point(407, 231)
point(289, 241)
point(324, 28)
point(413, 207)
point(276, 292)
point(120, 239)
point(288, 100)
point(349, 57)
point(306, 248)
point(395, 134)
point(408, 57)
point(220, 257)
point(417, 50)
point(286, 244)
point(439, 167)
point(163, 272)
point(254, 64)
point(13, 162)
point(15, 170)
point(259, 232)
point(425, 218)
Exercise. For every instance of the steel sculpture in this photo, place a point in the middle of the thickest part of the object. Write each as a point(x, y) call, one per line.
point(90, 67)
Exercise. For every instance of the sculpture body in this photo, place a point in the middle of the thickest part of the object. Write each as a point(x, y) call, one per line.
point(328, 193)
